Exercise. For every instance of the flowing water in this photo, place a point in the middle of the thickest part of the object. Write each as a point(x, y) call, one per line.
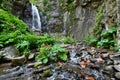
point(36, 20)
point(70, 70)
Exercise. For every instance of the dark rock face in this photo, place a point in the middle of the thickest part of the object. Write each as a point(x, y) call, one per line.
point(8, 53)
point(19, 7)
point(85, 21)
point(52, 19)
point(22, 9)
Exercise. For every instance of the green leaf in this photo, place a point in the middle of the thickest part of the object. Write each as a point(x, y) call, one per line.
point(62, 56)
point(69, 40)
point(45, 60)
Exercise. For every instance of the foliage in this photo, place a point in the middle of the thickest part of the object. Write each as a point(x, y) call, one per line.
point(58, 51)
point(98, 27)
point(69, 40)
point(117, 48)
point(91, 40)
point(10, 23)
point(15, 32)
point(107, 39)
point(54, 53)
point(32, 1)
point(44, 2)
point(46, 39)
point(23, 46)
point(44, 54)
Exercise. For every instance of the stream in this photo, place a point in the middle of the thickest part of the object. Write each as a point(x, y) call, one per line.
point(84, 63)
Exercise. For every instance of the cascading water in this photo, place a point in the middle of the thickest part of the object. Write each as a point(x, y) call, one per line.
point(36, 21)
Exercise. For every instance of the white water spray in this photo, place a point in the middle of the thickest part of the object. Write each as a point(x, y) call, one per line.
point(36, 21)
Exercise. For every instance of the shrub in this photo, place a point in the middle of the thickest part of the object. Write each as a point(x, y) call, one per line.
point(54, 53)
point(46, 39)
point(106, 39)
point(69, 40)
point(10, 23)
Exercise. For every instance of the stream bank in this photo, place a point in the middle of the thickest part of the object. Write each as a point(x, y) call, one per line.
point(84, 63)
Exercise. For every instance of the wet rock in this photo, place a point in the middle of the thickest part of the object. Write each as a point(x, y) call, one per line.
point(55, 14)
point(105, 55)
point(33, 64)
point(92, 50)
point(108, 68)
point(93, 60)
point(46, 73)
point(115, 56)
point(18, 61)
point(11, 70)
point(117, 67)
point(109, 62)
point(17, 73)
point(111, 79)
point(116, 62)
point(104, 51)
point(83, 48)
point(31, 56)
point(117, 75)
point(9, 52)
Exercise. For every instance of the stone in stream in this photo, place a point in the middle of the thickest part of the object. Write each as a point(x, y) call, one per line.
point(9, 52)
point(115, 56)
point(92, 50)
point(33, 64)
point(18, 61)
point(105, 55)
point(117, 67)
point(108, 68)
point(117, 75)
point(31, 56)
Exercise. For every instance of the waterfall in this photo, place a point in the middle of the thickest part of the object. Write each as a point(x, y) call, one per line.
point(36, 21)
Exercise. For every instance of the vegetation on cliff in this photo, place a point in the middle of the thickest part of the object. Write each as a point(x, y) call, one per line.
point(15, 32)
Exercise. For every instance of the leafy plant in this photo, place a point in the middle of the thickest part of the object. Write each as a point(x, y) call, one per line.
point(44, 54)
point(91, 40)
point(46, 39)
point(24, 47)
point(117, 48)
point(58, 51)
point(54, 53)
point(69, 40)
point(106, 39)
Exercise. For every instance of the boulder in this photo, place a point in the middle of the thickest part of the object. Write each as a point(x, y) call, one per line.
point(18, 61)
point(31, 56)
point(117, 75)
point(117, 67)
point(9, 52)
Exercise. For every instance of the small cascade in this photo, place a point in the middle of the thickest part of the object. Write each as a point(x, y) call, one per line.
point(36, 21)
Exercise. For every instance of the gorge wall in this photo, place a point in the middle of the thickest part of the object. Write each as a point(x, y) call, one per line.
point(77, 18)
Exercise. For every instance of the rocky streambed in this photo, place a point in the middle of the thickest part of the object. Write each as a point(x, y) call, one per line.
point(84, 63)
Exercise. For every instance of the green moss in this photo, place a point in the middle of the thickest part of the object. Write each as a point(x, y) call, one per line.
point(68, 6)
point(98, 27)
